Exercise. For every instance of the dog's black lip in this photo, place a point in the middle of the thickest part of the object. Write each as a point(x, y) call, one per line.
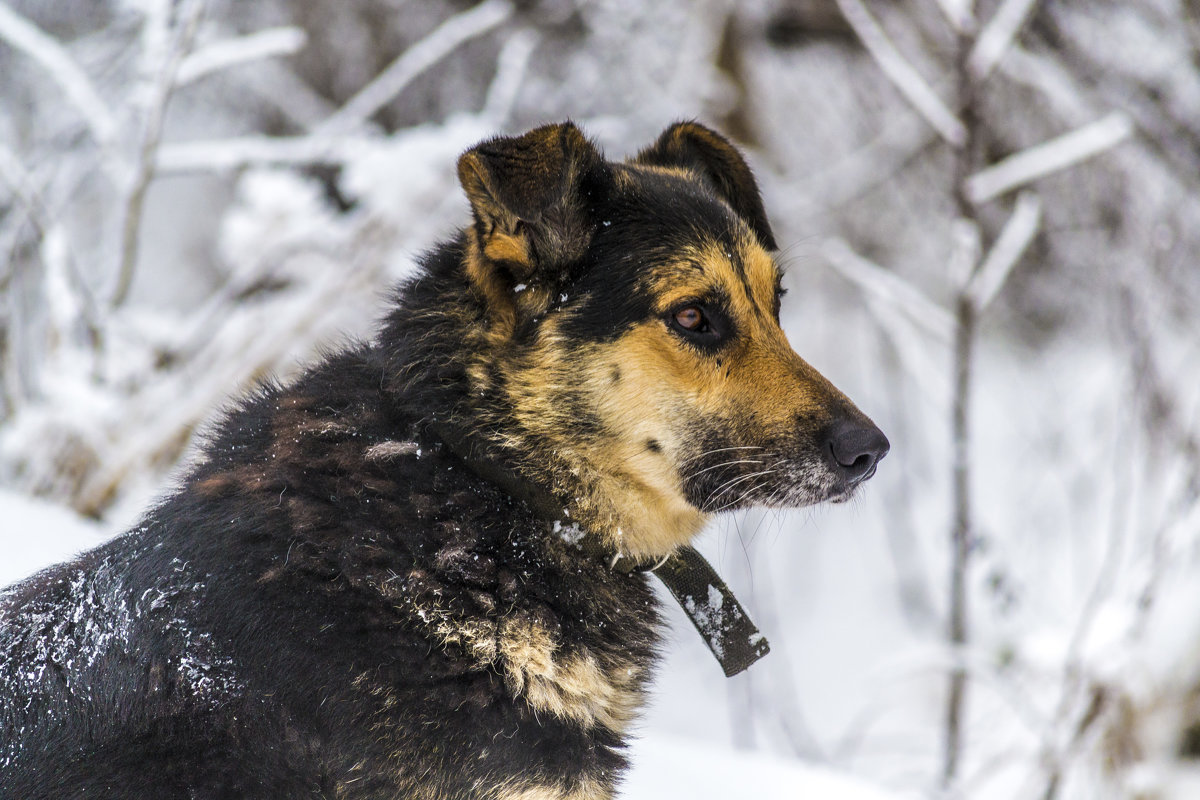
point(842, 495)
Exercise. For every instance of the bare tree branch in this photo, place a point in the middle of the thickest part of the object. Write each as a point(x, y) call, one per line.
point(904, 313)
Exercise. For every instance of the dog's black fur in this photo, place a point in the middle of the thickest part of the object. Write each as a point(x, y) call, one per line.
point(336, 603)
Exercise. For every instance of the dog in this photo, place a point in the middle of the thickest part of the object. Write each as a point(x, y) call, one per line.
point(397, 576)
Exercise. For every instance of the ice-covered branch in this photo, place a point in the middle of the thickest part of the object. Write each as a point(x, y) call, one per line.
point(1014, 238)
point(240, 50)
point(1049, 156)
point(26, 37)
point(996, 37)
point(444, 39)
point(902, 74)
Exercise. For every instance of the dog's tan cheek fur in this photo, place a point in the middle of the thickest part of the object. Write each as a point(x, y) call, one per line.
point(652, 402)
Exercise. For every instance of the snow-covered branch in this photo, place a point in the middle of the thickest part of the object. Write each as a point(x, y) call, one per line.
point(71, 301)
point(902, 74)
point(890, 288)
point(240, 50)
point(154, 113)
point(959, 13)
point(996, 37)
point(221, 155)
point(1014, 238)
point(510, 72)
point(1050, 156)
point(444, 39)
point(26, 37)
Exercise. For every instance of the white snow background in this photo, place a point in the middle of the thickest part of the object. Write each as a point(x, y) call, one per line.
point(279, 167)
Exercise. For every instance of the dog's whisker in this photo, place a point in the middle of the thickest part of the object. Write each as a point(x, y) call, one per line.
point(706, 453)
point(734, 482)
point(718, 466)
point(741, 497)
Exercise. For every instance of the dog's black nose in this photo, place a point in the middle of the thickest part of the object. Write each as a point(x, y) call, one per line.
point(856, 448)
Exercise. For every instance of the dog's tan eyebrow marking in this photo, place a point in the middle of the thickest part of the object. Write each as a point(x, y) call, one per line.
point(763, 275)
point(734, 254)
point(755, 270)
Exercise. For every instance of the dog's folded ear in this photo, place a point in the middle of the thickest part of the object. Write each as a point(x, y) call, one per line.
point(531, 197)
point(710, 155)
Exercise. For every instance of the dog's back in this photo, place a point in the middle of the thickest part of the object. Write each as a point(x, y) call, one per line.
point(113, 685)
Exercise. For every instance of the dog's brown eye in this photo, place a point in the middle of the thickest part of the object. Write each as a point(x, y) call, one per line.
point(690, 318)
point(700, 324)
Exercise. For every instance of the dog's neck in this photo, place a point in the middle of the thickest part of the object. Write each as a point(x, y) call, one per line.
point(712, 608)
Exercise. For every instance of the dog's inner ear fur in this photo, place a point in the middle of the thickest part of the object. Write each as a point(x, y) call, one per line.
point(710, 155)
point(531, 197)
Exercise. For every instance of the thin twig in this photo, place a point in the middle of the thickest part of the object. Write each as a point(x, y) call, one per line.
point(444, 39)
point(961, 533)
point(902, 74)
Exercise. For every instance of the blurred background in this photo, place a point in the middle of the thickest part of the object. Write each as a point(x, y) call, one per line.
point(989, 214)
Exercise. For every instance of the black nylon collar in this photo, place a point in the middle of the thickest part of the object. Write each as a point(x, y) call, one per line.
point(707, 601)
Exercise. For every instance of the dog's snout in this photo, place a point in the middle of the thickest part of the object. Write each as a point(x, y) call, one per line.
point(856, 448)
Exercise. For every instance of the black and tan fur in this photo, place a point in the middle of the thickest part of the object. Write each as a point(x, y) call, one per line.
point(337, 604)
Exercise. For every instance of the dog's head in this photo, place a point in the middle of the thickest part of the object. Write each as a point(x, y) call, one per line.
point(632, 319)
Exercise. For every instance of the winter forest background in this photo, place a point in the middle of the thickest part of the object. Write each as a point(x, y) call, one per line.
point(990, 217)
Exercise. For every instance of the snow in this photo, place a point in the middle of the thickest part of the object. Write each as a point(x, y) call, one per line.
point(37, 534)
point(667, 766)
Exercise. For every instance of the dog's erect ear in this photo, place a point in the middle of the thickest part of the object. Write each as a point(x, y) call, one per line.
point(716, 160)
point(531, 196)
